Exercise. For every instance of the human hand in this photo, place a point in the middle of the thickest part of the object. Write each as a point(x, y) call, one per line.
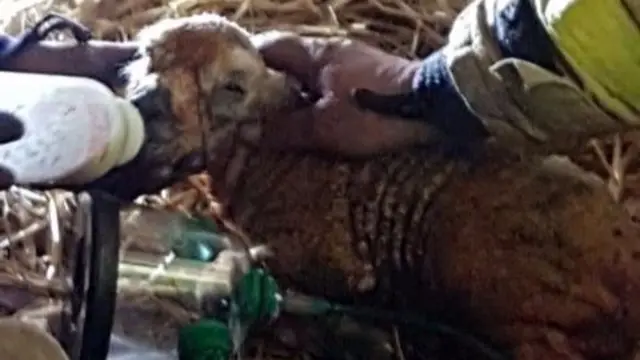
point(329, 69)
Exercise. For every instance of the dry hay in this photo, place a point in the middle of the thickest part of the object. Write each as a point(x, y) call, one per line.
point(409, 28)
point(406, 27)
point(19, 336)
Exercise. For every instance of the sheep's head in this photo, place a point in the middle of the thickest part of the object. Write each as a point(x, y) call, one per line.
point(211, 72)
point(198, 81)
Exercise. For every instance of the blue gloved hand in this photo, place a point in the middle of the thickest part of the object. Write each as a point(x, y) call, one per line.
point(330, 69)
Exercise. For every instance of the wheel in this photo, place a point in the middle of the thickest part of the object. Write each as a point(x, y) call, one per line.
point(87, 319)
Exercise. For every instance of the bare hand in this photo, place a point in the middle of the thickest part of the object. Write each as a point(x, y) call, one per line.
point(330, 69)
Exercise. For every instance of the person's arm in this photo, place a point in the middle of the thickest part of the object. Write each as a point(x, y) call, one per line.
point(28, 52)
point(436, 98)
point(533, 74)
point(517, 33)
point(15, 51)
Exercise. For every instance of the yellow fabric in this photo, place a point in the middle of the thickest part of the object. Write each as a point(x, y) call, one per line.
point(601, 41)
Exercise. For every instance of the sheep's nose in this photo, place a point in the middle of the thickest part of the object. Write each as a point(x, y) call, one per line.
point(153, 102)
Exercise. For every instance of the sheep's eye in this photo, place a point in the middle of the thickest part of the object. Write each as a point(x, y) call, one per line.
point(233, 87)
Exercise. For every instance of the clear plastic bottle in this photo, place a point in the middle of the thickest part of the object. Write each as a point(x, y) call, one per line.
point(171, 267)
point(76, 129)
point(163, 231)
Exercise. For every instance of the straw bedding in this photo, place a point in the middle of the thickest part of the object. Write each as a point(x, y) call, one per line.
point(31, 239)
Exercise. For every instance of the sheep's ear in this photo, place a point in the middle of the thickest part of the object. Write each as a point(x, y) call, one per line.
point(175, 43)
point(185, 48)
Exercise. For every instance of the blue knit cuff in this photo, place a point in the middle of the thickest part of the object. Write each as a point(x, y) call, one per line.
point(442, 103)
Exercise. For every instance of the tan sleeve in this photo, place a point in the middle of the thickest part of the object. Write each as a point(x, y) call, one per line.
point(523, 106)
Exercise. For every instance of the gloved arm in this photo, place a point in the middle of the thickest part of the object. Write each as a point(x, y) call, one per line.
point(435, 97)
point(29, 52)
point(529, 71)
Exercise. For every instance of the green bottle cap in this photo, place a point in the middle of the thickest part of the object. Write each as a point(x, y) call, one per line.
point(257, 297)
point(255, 301)
point(204, 340)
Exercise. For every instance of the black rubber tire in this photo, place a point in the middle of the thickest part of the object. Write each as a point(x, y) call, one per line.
point(100, 301)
